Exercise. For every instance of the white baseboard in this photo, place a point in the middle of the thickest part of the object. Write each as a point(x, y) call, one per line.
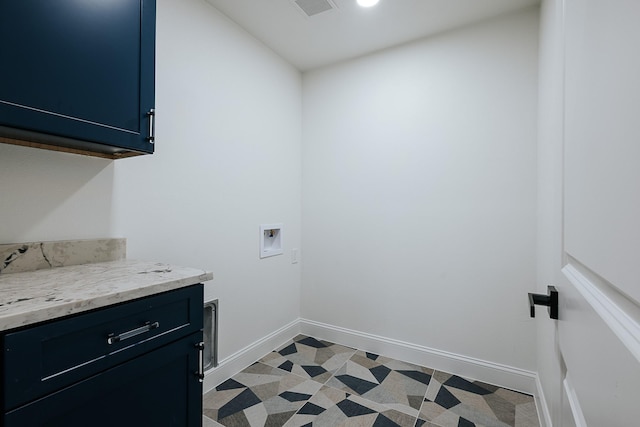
point(235, 363)
point(468, 367)
point(544, 415)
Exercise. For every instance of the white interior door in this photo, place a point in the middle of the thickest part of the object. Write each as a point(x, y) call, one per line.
point(598, 331)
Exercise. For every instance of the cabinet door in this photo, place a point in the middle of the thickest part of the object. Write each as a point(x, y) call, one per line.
point(79, 69)
point(157, 389)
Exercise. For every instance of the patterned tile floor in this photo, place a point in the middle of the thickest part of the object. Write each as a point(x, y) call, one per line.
point(308, 382)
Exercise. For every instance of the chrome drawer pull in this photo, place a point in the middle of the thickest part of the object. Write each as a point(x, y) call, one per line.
point(113, 338)
point(152, 126)
point(200, 372)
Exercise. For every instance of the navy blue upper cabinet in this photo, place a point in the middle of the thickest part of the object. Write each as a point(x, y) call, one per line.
point(78, 75)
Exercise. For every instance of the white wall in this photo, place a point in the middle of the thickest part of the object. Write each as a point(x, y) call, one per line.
point(227, 159)
point(47, 195)
point(419, 192)
point(419, 185)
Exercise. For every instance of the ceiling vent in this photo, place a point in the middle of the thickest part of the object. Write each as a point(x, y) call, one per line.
point(314, 7)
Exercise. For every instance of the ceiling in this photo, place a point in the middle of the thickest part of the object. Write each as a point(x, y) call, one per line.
point(348, 30)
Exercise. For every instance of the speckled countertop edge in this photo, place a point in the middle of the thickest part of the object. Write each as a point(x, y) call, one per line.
point(31, 297)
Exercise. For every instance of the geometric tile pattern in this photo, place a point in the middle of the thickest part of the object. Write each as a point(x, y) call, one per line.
point(310, 382)
point(309, 357)
point(331, 407)
point(454, 401)
point(260, 395)
point(399, 385)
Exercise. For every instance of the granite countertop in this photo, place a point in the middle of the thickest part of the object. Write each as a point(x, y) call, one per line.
point(30, 297)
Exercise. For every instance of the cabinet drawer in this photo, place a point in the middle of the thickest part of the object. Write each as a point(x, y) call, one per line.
point(156, 389)
point(50, 356)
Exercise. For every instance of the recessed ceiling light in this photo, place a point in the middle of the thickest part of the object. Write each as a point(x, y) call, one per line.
point(367, 3)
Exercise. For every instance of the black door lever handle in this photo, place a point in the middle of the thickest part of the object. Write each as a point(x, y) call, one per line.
point(550, 300)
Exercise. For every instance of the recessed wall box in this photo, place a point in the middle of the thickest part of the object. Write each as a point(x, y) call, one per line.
point(270, 240)
point(210, 333)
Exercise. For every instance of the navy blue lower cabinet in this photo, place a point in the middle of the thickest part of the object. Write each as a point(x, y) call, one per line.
point(133, 364)
point(79, 74)
point(158, 389)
